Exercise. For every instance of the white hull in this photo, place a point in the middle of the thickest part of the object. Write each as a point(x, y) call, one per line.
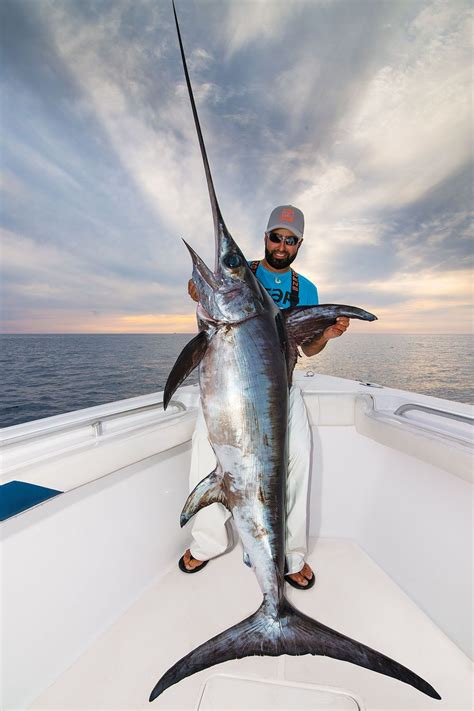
point(94, 609)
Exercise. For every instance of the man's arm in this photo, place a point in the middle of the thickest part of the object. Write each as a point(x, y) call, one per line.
point(309, 349)
point(314, 347)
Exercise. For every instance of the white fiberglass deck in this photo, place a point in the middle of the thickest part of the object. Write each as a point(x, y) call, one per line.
point(352, 595)
point(94, 609)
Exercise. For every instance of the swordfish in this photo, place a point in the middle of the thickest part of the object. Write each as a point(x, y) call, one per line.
point(246, 350)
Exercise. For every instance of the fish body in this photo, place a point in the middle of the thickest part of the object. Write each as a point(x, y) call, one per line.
point(244, 380)
point(246, 350)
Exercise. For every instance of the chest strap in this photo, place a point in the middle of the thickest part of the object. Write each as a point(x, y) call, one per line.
point(295, 282)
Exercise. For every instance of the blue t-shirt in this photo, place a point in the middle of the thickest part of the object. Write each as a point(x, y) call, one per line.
point(278, 286)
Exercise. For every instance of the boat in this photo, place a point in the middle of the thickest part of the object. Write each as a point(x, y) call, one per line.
point(95, 610)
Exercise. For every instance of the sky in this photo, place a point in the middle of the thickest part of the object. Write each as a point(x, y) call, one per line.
point(357, 111)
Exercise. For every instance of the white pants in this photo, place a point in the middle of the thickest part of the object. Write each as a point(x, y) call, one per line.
point(209, 531)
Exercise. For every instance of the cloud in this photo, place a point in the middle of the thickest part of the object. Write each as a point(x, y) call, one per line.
point(432, 285)
point(49, 275)
point(362, 119)
point(258, 22)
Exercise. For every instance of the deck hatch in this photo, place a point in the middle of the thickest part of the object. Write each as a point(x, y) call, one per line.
point(222, 693)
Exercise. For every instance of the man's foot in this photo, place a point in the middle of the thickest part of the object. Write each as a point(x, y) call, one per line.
point(304, 580)
point(188, 564)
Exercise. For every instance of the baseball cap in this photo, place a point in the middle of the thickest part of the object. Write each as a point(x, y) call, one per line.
point(288, 217)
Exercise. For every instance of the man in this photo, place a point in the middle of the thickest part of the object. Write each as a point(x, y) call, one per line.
point(283, 239)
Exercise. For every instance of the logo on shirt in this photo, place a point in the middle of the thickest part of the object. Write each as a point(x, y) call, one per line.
point(281, 298)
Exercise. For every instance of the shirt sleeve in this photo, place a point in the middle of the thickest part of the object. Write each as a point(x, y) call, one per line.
point(308, 293)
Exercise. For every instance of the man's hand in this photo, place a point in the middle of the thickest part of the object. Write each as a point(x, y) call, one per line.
point(192, 291)
point(316, 346)
point(340, 327)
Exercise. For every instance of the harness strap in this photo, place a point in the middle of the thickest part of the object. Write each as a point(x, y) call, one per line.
point(295, 288)
point(295, 282)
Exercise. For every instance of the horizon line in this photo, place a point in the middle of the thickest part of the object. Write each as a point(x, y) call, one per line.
point(192, 333)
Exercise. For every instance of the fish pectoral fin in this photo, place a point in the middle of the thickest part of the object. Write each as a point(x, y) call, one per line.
point(208, 491)
point(190, 357)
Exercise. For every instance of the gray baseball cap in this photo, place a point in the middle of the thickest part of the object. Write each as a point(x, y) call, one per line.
point(288, 217)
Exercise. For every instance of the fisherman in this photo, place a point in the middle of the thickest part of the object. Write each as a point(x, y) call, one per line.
point(283, 239)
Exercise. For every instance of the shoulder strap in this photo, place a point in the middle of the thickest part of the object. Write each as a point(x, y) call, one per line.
point(254, 265)
point(295, 289)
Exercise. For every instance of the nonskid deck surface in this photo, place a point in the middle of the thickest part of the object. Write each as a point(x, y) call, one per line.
point(352, 595)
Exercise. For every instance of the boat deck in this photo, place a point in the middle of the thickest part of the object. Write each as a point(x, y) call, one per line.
point(179, 612)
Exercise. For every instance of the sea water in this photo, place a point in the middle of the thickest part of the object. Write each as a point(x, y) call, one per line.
point(44, 375)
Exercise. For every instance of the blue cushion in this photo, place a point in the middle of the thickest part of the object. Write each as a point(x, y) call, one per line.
point(17, 496)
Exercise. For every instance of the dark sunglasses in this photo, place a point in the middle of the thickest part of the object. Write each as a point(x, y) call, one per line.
point(277, 239)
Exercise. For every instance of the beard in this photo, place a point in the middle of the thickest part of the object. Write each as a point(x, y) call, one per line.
point(279, 263)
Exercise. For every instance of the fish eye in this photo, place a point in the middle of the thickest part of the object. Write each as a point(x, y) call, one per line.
point(233, 261)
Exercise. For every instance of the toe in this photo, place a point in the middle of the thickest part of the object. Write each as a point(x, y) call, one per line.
point(298, 578)
point(186, 560)
point(190, 562)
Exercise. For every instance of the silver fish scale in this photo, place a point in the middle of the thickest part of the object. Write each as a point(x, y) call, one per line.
point(246, 411)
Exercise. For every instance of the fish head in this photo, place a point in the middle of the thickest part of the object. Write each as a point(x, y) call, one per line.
point(231, 293)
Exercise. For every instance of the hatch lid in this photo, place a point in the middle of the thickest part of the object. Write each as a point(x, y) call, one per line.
point(223, 692)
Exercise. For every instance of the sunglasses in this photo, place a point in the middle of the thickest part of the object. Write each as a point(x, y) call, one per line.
point(277, 239)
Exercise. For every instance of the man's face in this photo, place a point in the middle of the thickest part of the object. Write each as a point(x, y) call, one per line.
point(280, 256)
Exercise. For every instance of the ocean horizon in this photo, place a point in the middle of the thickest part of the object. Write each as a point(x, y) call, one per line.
point(50, 374)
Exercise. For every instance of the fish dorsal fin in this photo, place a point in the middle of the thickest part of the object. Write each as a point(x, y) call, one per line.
point(306, 323)
point(190, 357)
point(208, 491)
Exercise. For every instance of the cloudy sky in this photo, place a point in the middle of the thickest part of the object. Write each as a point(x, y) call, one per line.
point(356, 111)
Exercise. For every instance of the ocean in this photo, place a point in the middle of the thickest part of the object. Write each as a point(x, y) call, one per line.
point(44, 375)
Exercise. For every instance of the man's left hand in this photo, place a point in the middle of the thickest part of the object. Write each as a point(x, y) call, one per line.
point(340, 327)
point(315, 347)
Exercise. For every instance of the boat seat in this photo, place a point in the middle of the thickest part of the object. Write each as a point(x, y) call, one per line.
point(442, 449)
point(438, 447)
point(330, 409)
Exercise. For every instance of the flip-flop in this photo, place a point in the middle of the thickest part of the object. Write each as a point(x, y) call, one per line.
point(182, 566)
point(298, 586)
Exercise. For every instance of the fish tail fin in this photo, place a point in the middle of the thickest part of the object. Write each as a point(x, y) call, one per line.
point(303, 635)
point(245, 639)
point(293, 633)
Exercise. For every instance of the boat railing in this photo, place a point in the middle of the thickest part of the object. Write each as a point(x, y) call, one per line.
point(408, 406)
point(425, 418)
point(95, 422)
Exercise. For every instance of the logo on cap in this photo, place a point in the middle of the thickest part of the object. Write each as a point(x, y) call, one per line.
point(287, 215)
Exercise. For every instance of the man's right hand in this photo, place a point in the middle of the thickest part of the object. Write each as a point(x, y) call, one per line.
point(192, 291)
